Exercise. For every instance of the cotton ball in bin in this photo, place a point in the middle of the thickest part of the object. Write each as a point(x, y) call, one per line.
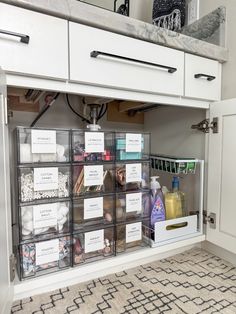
point(108, 217)
point(40, 230)
point(28, 226)
point(64, 209)
point(27, 215)
point(25, 232)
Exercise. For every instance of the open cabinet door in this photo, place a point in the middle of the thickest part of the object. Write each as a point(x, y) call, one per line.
point(6, 288)
point(221, 196)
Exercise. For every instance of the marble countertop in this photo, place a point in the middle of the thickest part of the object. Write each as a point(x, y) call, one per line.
point(77, 11)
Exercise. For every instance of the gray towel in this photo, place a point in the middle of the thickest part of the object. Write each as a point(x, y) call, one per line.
point(169, 14)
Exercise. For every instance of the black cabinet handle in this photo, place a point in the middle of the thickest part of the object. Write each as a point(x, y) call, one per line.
point(95, 53)
point(209, 77)
point(23, 38)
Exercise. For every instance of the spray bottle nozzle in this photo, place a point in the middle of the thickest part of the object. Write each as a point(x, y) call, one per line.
point(154, 183)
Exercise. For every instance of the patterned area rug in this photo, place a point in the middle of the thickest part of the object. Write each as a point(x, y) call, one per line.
point(193, 282)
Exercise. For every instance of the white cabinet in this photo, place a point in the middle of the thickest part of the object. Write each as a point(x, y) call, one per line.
point(32, 43)
point(221, 177)
point(6, 290)
point(106, 59)
point(202, 78)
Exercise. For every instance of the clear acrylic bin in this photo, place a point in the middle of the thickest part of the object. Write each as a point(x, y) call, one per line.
point(93, 179)
point(38, 183)
point(132, 146)
point(40, 145)
point(132, 176)
point(43, 257)
point(93, 245)
point(41, 221)
point(92, 146)
point(132, 206)
point(92, 211)
point(131, 237)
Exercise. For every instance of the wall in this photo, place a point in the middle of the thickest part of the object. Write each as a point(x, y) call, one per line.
point(172, 134)
point(60, 116)
point(139, 9)
point(229, 68)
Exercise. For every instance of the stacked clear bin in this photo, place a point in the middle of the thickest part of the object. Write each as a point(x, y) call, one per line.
point(93, 157)
point(183, 211)
point(132, 176)
point(43, 204)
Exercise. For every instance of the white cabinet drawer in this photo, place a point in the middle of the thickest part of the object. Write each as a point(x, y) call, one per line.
point(202, 78)
point(103, 58)
point(46, 53)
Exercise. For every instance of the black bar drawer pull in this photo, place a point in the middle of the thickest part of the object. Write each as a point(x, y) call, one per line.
point(23, 38)
point(209, 77)
point(95, 53)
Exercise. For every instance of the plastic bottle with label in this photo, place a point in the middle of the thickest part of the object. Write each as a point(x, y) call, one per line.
point(157, 202)
point(175, 201)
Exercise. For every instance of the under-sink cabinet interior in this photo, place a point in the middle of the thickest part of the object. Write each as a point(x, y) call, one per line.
point(63, 221)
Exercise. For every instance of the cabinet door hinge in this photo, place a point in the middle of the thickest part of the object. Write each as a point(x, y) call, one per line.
point(12, 263)
point(205, 125)
point(211, 219)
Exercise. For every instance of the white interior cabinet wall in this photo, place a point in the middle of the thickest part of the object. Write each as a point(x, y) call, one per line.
point(59, 115)
point(171, 132)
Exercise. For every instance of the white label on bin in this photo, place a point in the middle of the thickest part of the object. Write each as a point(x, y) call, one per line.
point(45, 215)
point(47, 252)
point(134, 232)
point(45, 179)
point(94, 142)
point(133, 143)
point(93, 207)
point(94, 241)
point(93, 175)
point(43, 142)
point(133, 173)
point(133, 202)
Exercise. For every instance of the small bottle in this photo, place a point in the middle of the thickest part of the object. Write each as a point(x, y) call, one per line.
point(157, 203)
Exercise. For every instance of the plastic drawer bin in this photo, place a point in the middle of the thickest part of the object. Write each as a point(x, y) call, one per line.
point(43, 183)
point(92, 146)
point(132, 146)
point(93, 179)
point(93, 245)
point(132, 206)
point(92, 211)
point(132, 176)
point(130, 237)
point(38, 145)
point(172, 230)
point(44, 220)
point(43, 257)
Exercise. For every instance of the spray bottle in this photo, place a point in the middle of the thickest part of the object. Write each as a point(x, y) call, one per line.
point(157, 202)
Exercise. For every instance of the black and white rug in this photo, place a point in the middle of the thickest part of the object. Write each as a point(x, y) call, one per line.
point(194, 282)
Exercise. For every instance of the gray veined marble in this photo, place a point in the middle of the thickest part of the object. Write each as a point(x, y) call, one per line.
point(83, 13)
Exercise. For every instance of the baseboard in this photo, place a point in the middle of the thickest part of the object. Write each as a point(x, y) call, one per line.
point(222, 253)
point(8, 302)
point(105, 267)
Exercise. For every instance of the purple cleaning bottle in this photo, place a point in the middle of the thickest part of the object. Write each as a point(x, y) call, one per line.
point(158, 212)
